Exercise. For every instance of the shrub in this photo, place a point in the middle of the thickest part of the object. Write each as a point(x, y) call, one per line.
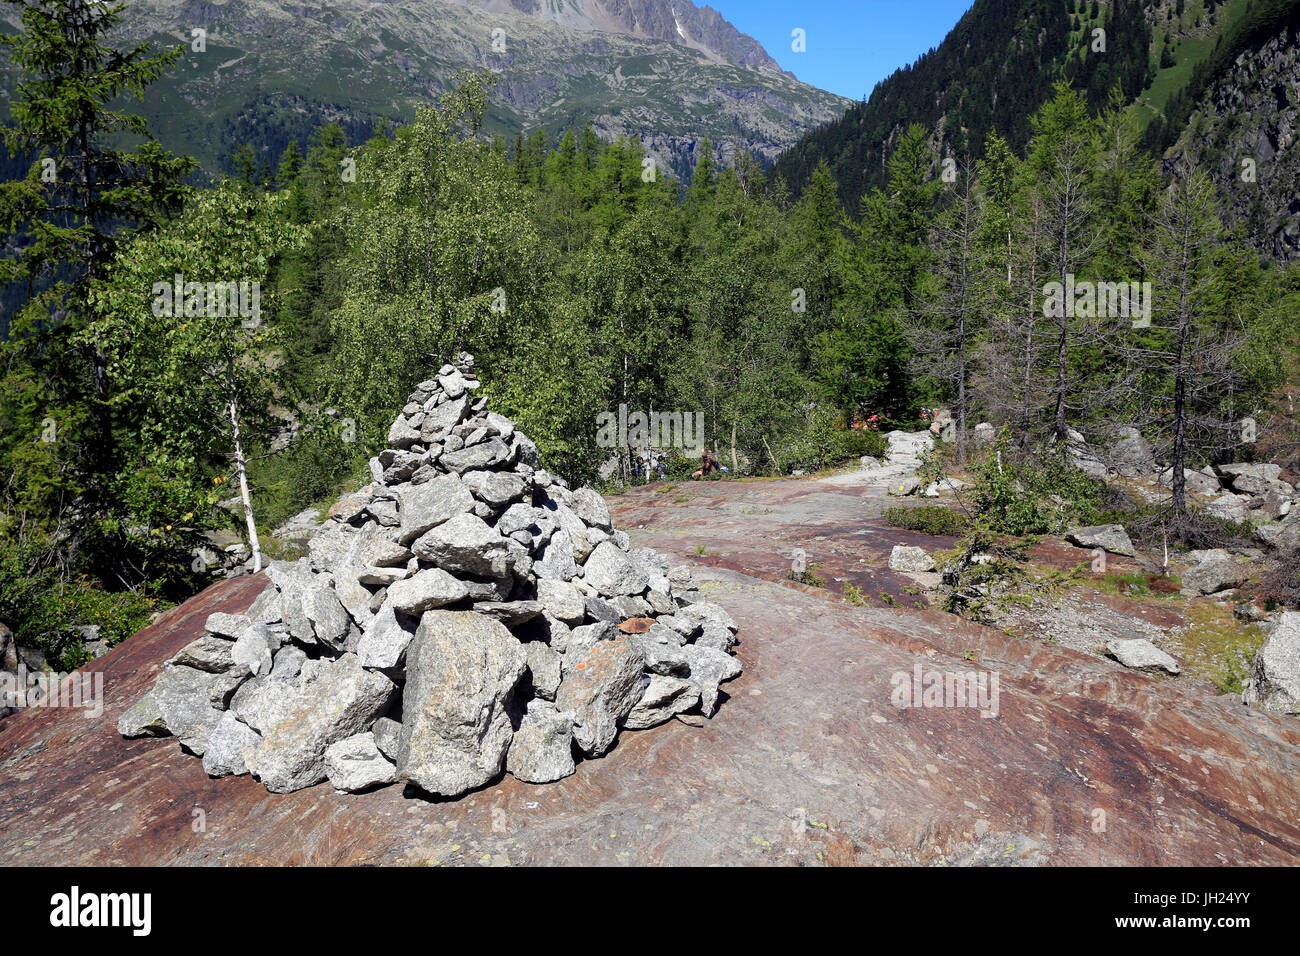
point(928, 519)
point(1025, 496)
point(824, 440)
point(1280, 585)
point(317, 467)
point(45, 608)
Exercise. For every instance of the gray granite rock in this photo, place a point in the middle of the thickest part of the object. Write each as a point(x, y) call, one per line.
point(909, 559)
point(388, 737)
point(355, 763)
point(426, 506)
point(426, 590)
point(541, 750)
point(462, 669)
point(1274, 682)
point(181, 705)
point(227, 743)
point(1108, 537)
point(336, 700)
point(467, 545)
point(663, 699)
point(545, 667)
point(612, 572)
point(709, 668)
point(1141, 654)
point(562, 600)
point(600, 688)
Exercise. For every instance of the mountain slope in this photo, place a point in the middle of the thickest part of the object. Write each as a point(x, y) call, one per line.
point(679, 21)
point(1244, 130)
point(1211, 82)
point(990, 73)
point(274, 70)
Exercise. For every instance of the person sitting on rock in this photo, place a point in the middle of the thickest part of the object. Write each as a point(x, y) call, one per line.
point(709, 466)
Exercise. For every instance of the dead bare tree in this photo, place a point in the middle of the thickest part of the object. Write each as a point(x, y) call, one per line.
point(1187, 356)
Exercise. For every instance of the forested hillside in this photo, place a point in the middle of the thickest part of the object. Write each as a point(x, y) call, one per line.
point(991, 73)
point(1175, 63)
point(137, 419)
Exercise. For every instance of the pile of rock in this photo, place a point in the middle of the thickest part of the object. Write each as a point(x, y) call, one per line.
point(466, 612)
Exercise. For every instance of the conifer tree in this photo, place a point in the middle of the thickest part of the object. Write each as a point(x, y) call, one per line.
point(84, 194)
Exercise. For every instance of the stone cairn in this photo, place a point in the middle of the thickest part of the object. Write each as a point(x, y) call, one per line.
point(465, 612)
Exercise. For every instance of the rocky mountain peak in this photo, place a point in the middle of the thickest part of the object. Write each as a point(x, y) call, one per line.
point(679, 21)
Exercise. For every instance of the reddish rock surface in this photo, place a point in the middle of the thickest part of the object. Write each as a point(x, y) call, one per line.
point(806, 762)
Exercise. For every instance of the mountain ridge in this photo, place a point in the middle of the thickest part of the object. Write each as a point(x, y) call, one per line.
point(270, 72)
point(700, 28)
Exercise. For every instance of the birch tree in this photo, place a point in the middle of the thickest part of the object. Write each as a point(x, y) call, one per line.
point(187, 329)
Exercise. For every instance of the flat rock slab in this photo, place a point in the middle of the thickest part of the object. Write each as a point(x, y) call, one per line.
point(808, 760)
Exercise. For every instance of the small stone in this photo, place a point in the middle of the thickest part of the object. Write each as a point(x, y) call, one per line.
point(255, 648)
point(1108, 537)
point(227, 743)
point(388, 737)
point(229, 626)
point(355, 763)
point(426, 506)
point(546, 667)
point(664, 698)
point(336, 700)
point(541, 750)
point(588, 505)
point(208, 653)
point(709, 668)
point(466, 544)
point(908, 559)
point(385, 640)
point(510, 613)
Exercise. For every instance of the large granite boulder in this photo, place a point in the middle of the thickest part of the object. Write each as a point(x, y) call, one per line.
point(462, 669)
point(1274, 682)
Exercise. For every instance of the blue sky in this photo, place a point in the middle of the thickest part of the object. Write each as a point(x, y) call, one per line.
point(852, 44)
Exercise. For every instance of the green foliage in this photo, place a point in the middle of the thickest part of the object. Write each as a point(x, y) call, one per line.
point(993, 72)
point(45, 607)
point(928, 519)
point(83, 195)
point(195, 373)
point(438, 229)
point(809, 577)
point(825, 440)
point(1022, 496)
point(580, 285)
